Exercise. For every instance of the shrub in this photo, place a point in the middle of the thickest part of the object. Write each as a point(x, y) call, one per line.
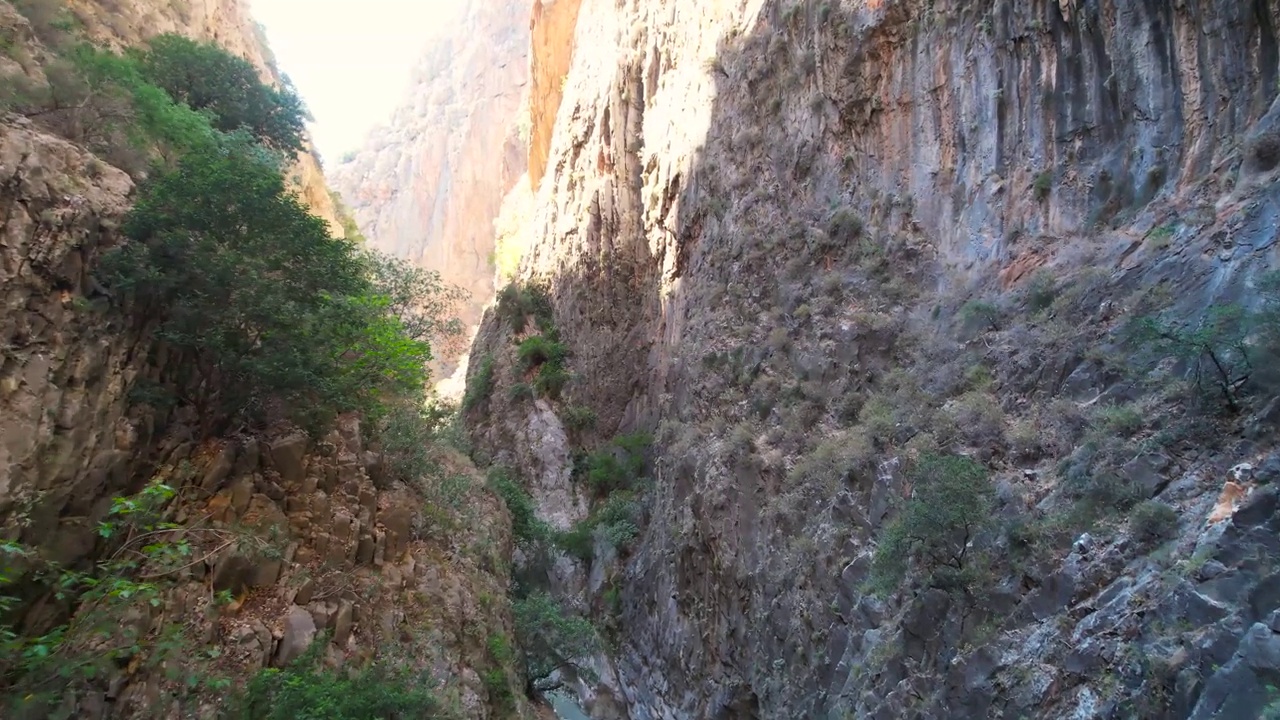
point(551, 379)
point(520, 392)
point(517, 303)
point(406, 436)
point(525, 523)
point(1041, 291)
point(264, 303)
point(617, 466)
point(1121, 420)
point(980, 314)
point(845, 226)
point(479, 384)
point(978, 418)
point(578, 541)
point(1043, 185)
point(539, 349)
point(305, 690)
point(1153, 521)
point(835, 460)
point(578, 417)
point(952, 505)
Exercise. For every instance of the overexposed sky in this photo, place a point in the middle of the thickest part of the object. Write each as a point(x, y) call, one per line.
point(350, 59)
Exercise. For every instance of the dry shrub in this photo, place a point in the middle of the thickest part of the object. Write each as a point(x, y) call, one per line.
point(978, 419)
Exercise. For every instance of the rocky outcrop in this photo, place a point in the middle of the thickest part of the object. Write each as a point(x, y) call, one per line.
point(760, 223)
point(553, 29)
point(301, 538)
point(284, 539)
point(64, 372)
point(428, 186)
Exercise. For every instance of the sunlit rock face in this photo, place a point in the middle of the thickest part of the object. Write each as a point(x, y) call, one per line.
point(761, 224)
point(428, 185)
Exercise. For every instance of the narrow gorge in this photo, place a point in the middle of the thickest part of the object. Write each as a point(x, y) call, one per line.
point(884, 359)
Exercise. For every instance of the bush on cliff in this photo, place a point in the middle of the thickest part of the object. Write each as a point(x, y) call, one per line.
point(951, 506)
point(262, 301)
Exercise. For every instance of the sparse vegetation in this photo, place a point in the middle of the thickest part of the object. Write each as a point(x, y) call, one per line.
point(306, 689)
point(578, 417)
point(479, 385)
point(1152, 522)
point(1043, 185)
point(1215, 350)
point(525, 523)
point(981, 315)
point(517, 303)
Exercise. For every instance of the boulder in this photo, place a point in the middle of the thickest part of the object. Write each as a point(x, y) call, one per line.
point(288, 455)
point(299, 632)
point(219, 469)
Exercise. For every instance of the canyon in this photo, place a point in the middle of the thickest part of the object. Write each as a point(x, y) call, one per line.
point(827, 359)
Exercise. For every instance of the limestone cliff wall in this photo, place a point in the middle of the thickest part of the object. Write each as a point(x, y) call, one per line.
point(757, 217)
point(429, 184)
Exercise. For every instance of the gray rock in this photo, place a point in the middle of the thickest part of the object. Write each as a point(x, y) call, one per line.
point(1233, 692)
point(287, 455)
point(1265, 597)
point(1147, 472)
point(219, 469)
point(1260, 649)
point(1258, 509)
point(1268, 471)
point(299, 632)
point(249, 459)
point(1186, 606)
point(343, 623)
point(306, 591)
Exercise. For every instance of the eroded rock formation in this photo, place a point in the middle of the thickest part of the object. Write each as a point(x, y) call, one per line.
point(763, 226)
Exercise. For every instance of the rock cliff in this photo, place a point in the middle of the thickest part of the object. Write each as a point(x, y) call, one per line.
point(288, 536)
point(807, 245)
point(429, 184)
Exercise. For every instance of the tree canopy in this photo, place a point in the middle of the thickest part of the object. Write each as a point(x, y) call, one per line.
point(207, 78)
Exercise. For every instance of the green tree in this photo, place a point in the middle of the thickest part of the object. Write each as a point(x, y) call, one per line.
point(951, 505)
point(425, 304)
point(1215, 348)
point(264, 303)
point(207, 78)
point(552, 641)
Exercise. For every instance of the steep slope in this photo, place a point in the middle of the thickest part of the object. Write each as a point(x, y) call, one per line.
point(428, 186)
point(282, 536)
point(811, 244)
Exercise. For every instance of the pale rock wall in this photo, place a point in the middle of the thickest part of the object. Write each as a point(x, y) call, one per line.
point(428, 185)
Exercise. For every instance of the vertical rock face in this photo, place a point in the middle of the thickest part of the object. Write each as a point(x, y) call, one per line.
point(759, 219)
point(553, 29)
point(63, 374)
point(428, 186)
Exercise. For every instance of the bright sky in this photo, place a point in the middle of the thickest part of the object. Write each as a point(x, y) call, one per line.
point(350, 59)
